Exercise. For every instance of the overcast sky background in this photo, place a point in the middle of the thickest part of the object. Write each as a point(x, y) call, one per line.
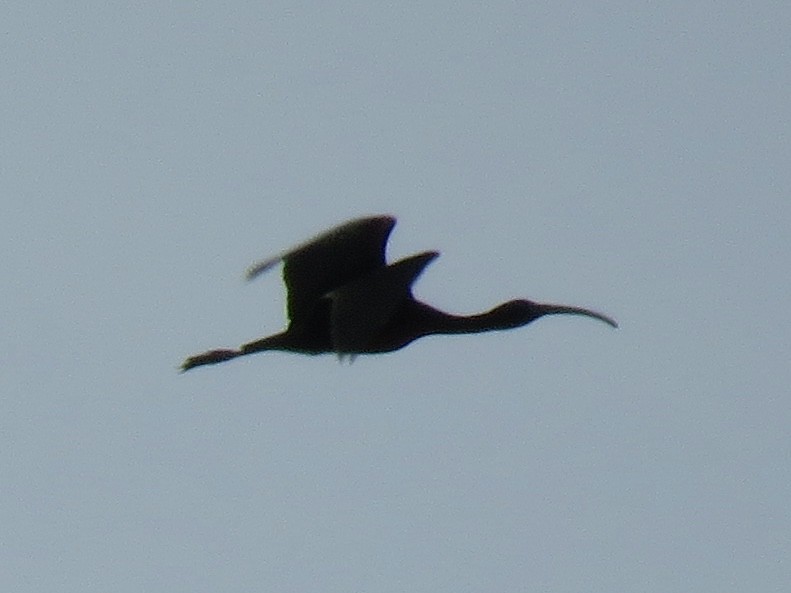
point(629, 157)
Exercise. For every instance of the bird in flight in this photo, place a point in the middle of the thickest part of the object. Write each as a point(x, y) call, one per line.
point(343, 297)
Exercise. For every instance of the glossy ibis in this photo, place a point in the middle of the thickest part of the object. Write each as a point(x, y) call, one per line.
point(344, 298)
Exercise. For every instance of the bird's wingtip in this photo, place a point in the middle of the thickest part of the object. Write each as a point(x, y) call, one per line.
point(260, 267)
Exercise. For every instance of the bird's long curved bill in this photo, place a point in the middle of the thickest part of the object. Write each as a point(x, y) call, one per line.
point(568, 310)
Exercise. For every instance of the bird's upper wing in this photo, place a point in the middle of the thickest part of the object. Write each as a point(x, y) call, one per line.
point(361, 308)
point(331, 260)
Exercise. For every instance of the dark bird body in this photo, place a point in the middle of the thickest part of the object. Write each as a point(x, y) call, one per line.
point(344, 298)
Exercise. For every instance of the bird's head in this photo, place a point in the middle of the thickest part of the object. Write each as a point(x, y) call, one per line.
point(520, 312)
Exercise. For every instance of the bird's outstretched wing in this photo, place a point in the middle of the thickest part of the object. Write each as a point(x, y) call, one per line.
point(362, 308)
point(329, 261)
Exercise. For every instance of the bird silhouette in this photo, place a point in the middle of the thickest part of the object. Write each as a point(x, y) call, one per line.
point(344, 298)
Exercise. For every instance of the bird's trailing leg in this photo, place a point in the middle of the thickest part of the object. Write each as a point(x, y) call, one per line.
point(210, 357)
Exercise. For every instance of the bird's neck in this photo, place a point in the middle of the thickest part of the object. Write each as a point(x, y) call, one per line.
point(440, 322)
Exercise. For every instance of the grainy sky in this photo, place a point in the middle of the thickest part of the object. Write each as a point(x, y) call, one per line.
point(630, 157)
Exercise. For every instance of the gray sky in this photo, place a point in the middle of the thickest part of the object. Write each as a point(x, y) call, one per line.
point(631, 157)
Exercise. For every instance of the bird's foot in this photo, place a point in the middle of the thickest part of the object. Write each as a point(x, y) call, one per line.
point(210, 357)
